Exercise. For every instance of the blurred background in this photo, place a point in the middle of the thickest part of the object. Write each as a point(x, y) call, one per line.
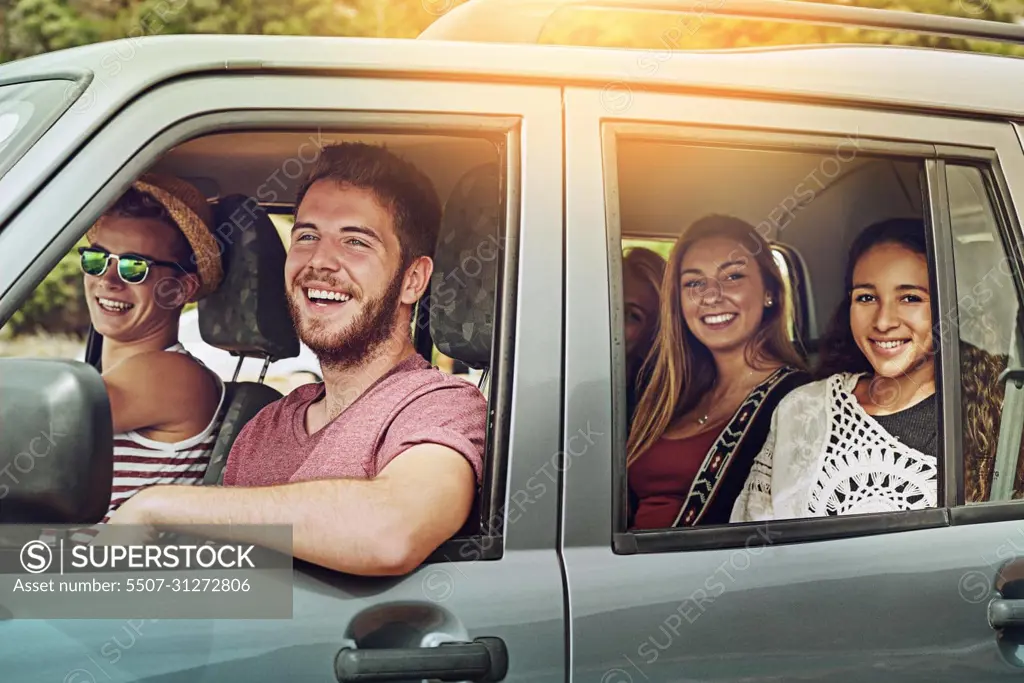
point(29, 27)
point(54, 321)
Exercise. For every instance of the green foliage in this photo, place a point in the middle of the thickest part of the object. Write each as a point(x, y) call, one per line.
point(30, 27)
point(707, 30)
point(35, 26)
point(57, 305)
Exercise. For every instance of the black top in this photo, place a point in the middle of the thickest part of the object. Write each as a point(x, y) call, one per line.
point(915, 426)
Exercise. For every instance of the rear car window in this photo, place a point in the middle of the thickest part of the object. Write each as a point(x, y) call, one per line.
point(26, 111)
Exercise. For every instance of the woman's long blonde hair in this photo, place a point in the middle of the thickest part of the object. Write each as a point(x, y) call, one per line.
point(682, 369)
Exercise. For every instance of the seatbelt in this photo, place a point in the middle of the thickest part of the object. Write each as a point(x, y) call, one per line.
point(1011, 425)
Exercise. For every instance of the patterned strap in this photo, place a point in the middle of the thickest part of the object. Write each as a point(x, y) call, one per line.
point(722, 452)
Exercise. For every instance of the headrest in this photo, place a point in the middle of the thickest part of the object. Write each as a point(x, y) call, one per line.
point(466, 261)
point(248, 314)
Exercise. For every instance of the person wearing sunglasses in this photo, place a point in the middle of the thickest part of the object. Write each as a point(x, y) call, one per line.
point(151, 253)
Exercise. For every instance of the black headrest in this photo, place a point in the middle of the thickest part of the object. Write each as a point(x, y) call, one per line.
point(248, 313)
point(466, 261)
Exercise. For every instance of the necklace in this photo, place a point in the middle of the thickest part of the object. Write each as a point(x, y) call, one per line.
point(703, 420)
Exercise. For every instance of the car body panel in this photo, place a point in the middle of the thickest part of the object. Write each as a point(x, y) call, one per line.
point(841, 73)
point(303, 648)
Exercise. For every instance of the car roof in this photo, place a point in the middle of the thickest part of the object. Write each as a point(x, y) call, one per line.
point(883, 76)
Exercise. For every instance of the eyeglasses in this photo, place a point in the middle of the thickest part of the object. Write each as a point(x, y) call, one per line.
point(132, 268)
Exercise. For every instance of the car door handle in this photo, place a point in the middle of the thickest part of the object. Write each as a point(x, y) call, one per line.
point(484, 660)
point(1003, 613)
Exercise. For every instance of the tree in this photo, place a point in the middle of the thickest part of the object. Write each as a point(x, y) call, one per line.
point(710, 30)
point(34, 26)
point(30, 27)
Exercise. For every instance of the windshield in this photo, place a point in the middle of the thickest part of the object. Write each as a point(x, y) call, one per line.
point(26, 111)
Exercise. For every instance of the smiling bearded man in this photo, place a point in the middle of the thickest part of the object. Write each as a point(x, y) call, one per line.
point(379, 465)
point(356, 343)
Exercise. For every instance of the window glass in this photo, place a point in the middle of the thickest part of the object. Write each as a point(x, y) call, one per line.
point(990, 341)
point(55, 318)
point(711, 438)
point(26, 111)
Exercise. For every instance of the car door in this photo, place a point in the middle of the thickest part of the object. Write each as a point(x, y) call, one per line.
point(505, 583)
point(894, 596)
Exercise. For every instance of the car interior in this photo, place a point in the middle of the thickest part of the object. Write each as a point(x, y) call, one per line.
point(248, 314)
point(810, 207)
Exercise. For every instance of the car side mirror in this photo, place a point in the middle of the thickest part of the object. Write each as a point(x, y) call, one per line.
point(56, 442)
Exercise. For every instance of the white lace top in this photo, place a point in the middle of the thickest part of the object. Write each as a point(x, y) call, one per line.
point(825, 456)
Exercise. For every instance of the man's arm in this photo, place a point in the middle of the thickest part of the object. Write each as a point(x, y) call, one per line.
point(376, 527)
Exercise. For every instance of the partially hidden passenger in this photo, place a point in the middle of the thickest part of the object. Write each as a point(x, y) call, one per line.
point(982, 414)
point(378, 465)
point(151, 253)
point(721, 361)
point(863, 438)
point(642, 273)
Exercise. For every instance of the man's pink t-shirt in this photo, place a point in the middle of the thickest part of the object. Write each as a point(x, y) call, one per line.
point(413, 404)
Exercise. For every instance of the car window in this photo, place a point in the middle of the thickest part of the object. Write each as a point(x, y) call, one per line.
point(693, 449)
point(988, 304)
point(54, 320)
point(26, 111)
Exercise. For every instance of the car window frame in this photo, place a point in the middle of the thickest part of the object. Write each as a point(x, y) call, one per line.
point(776, 532)
point(989, 163)
point(490, 544)
point(36, 162)
point(73, 85)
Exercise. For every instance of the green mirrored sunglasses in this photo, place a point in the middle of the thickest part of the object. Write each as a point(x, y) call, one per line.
point(132, 268)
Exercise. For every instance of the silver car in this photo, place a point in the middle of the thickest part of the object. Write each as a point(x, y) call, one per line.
point(549, 158)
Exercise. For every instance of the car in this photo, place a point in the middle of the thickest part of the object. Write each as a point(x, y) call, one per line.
point(549, 159)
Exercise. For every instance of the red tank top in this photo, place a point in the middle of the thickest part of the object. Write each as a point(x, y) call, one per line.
point(661, 477)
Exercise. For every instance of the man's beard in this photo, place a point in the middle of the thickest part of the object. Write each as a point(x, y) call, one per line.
point(360, 341)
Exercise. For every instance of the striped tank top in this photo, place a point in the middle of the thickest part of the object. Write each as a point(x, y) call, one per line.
point(140, 462)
